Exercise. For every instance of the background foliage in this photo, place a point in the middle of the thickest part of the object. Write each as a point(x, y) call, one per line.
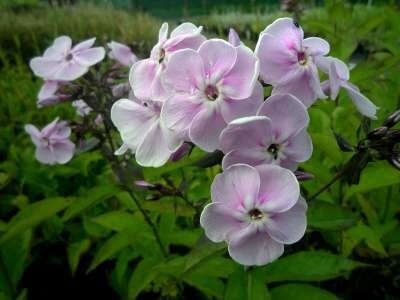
point(71, 231)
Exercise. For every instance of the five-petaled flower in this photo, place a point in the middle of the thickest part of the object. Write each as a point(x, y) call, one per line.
point(52, 142)
point(64, 63)
point(210, 87)
point(277, 135)
point(256, 211)
point(288, 62)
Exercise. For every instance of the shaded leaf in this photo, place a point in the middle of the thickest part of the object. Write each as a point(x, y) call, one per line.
point(75, 252)
point(329, 216)
point(301, 291)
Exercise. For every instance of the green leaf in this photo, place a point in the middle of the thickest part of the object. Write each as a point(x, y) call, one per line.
point(75, 252)
point(361, 232)
point(376, 175)
point(247, 284)
point(89, 199)
point(32, 215)
point(113, 245)
point(209, 285)
point(121, 220)
point(309, 266)
point(328, 216)
point(142, 276)
point(301, 291)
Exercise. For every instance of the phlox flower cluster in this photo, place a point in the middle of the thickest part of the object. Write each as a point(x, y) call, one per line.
point(210, 93)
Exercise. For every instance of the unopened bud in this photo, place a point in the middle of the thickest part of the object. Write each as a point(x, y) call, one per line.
point(377, 133)
point(392, 120)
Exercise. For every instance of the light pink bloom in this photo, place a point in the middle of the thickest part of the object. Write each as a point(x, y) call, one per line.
point(287, 61)
point(277, 135)
point(339, 76)
point(210, 87)
point(121, 53)
point(62, 62)
point(52, 142)
point(48, 94)
point(256, 211)
point(82, 109)
point(143, 132)
point(145, 75)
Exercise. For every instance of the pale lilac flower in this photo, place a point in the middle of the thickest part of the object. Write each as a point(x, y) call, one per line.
point(145, 75)
point(48, 94)
point(339, 76)
point(143, 132)
point(121, 53)
point(210, 87)
point(256, 211)
point(62, 62)
point(82, 109)
point(52, 142)
point(277, 135)
point(287, 61)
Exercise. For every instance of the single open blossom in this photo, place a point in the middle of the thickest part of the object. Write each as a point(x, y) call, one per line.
point(210, 87)
point(52, 142)
point(143, 132)
point(48, 94)
point(256, 211)
point(146, 74)
point(339, 76)
point(287, 61)
point(62, 62)
point(82, 108)
point(277, 135)
point(121, 53)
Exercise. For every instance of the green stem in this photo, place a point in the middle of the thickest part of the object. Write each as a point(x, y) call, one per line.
point(328, 185)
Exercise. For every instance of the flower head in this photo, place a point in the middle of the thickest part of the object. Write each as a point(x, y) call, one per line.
point(52, 142)
point(121, 53)
point(339, 76)
point(210, 87)
point(143, 132)
point(62, 62)
point(277, 135)
point(287, 61)
point(256, 211)
point(145, 75)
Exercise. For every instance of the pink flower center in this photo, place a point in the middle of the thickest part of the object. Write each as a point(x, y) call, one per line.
point(211, 92)
point(302, 58)
point(273, 149)
point(256, 214)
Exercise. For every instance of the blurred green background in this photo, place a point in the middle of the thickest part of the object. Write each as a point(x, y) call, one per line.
point(56, 223)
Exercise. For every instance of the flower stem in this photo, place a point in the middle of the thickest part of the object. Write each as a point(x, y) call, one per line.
point(328, 185)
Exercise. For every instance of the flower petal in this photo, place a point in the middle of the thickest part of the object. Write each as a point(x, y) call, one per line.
point(239, 82)
point(287, 114)
point(236, 184)
point(84, 45)
point(132, 121)
point(362, 103)
point(141, 78)
point(279, 189)
point(254, 248)
point(233, 37)
point(232, 109)
point(44, 67)
point(122, 53)
point(252, 157)
point(245, 133)
point(185, 28)
point(287, 29)
point(89, 57)
point(59, 49)
point(289, 227)
point(316, 46)
point(206, 127)
point(63, 151)
point(163, 32)
point(34, 133)
point(299, 147)
point(153, 151)
point(45, 155)
point(218, 57)
point(69, 71)
point(218, 222)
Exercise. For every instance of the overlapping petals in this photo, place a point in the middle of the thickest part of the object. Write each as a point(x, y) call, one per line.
point(52, 142)
point(64, 63)
point(256, 211)
point(277, 135)
point(210, 87)
point(121, 53)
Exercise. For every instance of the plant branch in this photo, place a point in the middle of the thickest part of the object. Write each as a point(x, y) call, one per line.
point(329, 184)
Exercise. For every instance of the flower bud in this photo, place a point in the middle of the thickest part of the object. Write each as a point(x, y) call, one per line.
point(392, 120)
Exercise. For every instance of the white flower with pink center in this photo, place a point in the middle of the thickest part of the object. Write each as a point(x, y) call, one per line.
point(256, 211)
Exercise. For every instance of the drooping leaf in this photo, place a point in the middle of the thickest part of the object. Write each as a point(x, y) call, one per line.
point(75, 252)
point(309, 266)
point(301, 291)
point(32, 215)
point(142, 276)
